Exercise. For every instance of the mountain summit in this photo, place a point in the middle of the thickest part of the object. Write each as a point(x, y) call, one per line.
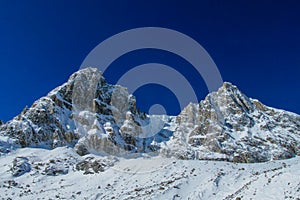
point(93, 116)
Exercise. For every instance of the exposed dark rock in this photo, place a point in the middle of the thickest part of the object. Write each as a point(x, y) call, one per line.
point(20, 166)
point(91, 165)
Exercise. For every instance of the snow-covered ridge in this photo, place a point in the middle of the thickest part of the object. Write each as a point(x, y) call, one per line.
point(95, 117)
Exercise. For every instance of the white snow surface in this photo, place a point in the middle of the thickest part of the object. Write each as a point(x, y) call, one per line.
point(147, 177)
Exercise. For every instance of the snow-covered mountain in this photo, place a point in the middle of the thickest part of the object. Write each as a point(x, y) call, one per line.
point(94, 116)
point(87, 127)
point(228, 125)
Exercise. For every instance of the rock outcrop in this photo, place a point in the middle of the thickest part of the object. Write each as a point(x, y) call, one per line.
point(77, 111)
point(227, 125)
point(20, 166)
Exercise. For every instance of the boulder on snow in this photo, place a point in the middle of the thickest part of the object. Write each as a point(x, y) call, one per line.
point(91, 165)
point(20, 166)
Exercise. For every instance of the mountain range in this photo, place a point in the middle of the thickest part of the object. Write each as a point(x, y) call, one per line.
point(97, 125)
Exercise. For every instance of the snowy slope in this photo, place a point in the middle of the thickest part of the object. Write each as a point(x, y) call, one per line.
point(147, 177)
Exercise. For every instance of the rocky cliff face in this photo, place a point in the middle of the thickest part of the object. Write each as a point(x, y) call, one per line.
point(227, 125)
point(85, 111)
point(93, 116)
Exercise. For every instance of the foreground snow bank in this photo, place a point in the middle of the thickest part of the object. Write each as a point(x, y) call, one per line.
point(144, 177)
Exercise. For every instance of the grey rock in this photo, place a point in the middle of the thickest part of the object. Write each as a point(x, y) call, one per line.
point(20, 166)
point(91, 165)
point(233, 127)
point(55, 170)
point(70, 112)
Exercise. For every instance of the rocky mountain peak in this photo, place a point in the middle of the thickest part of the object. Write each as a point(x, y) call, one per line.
point(228, 86)
point(227, 125)
point(93, 116)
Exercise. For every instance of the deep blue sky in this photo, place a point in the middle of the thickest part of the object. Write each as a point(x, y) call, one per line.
point(255, 44)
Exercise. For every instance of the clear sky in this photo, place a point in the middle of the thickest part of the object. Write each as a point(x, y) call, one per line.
point(255, 44)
